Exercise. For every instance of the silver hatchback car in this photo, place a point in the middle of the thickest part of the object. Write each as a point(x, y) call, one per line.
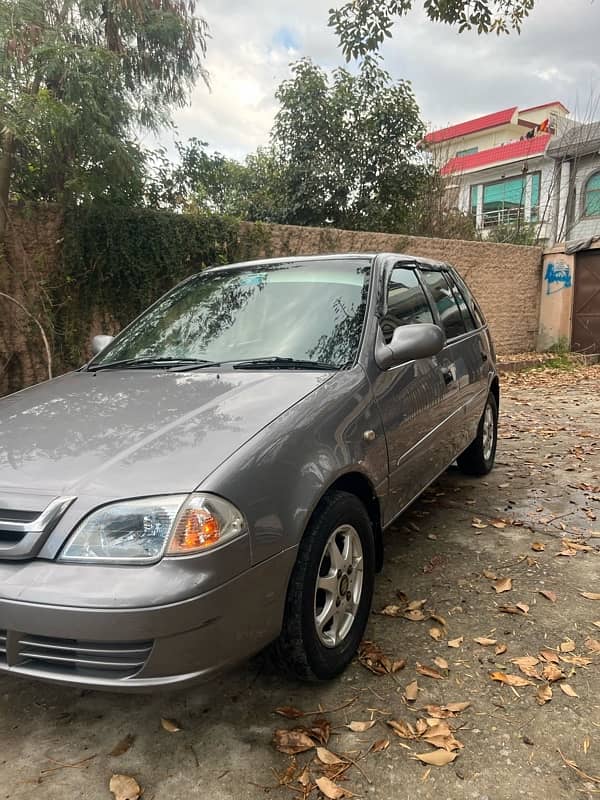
point(218, 477)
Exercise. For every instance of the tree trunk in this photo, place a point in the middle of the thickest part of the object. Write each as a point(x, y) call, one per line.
point(6, 167)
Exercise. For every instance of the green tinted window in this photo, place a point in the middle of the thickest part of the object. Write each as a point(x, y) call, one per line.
point(592, 196)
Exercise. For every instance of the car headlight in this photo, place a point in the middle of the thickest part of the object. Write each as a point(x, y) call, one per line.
point(142, 531)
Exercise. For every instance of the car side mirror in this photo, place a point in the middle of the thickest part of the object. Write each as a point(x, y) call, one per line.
point(101, 342)
point(409, 343)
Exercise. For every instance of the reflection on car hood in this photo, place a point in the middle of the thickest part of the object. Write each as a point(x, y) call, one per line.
point(131, 433)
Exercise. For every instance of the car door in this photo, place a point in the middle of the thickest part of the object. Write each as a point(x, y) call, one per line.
point(409, 396)
point(461, 362)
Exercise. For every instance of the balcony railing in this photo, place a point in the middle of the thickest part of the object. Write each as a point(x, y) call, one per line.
point(503, 216)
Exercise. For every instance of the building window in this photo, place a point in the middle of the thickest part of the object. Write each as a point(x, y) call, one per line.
point(504, 202)
point(474, 200)
point(468, 152)
point(591, 200)
point(535, 197)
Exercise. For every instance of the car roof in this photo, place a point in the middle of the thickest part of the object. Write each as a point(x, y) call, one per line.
point(329, 257)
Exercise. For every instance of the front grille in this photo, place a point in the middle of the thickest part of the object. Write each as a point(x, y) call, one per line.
point(2, 647)
point(74, 656)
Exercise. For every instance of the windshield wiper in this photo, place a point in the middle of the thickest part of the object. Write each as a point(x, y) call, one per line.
point(167, 362)
point(278, 362)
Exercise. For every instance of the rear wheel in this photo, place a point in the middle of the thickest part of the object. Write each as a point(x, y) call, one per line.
point(478, 458)
point(330, 590)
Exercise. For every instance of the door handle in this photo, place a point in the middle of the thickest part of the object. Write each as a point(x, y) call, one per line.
point(448, 375)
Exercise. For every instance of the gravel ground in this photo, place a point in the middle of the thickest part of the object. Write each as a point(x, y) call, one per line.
point(533, 520)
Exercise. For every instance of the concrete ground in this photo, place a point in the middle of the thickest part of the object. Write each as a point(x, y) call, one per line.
point(462, 537)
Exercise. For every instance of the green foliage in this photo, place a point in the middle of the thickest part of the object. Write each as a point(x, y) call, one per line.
point(116, 261)
point(211, 183)
point(362, 25)
point(525, 233)
point(348, 148)
point(78, 77)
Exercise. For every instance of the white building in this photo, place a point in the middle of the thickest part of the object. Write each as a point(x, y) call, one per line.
point(531, 168)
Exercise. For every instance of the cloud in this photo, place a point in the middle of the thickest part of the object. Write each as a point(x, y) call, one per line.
point(454, 76)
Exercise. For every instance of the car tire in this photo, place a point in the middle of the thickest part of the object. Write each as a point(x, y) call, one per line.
point(478, 458)
point(333, 577)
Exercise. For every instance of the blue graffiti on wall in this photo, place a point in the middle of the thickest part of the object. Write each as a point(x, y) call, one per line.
point(559, 273)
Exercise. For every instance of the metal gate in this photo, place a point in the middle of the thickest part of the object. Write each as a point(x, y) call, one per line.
point(586, 303)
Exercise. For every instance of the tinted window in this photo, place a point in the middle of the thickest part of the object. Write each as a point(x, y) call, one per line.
point(473, 307)
point(447, 306)
point(406, 302)
point(464, 309)
point(305, 310)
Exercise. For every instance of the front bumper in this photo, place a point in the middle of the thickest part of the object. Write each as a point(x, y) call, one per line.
point(137, 649)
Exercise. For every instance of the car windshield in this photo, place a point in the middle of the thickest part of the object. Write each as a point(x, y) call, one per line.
point(302, 311)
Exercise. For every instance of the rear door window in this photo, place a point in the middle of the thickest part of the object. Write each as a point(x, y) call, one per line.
point(407, 303)
point(461, 302)
point(447, 306)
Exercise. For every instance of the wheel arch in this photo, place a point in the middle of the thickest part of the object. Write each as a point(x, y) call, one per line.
point(360, 486)
point(495, 390)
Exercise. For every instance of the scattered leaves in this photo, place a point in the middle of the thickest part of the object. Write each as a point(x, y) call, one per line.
point(567, 646)
point(552, 596)
point(122, 746)
point(590, 595)
point(592, 644)
point(502, 585)
point(292, 742)
point(456, 642)
point(436, 633)
point(124, 787)
point(519, 608)
point(332, 790)
point(360, 726)
point(289, 712)
point(483, 641)
point(510, 680)
point(379, 745)
point(170, 725)
point(372, 657)
point(538, 546)
point(411, 691)
point(327, 757)
point(441, 662)
point(552, 673)
point(438, 758)
point(568, 690)
point(543, 694)
point(429, 672)
point(477, 523)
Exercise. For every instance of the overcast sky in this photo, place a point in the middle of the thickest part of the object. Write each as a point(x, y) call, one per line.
point(455, 76)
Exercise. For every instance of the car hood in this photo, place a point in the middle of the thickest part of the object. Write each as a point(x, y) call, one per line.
point(138, 432)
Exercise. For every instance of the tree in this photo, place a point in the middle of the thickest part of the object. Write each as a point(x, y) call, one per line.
point(362, 25)
point(348, 147)
point(204, 182)
point(77, 77)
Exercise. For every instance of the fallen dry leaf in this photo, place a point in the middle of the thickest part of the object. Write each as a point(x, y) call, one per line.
point(489, 575)
point(402, 729)
point(477, 523)
point(538, 546)
point(438, 758)
point(567, 646)
point(456, 642)
point(436, 633)
point(544, 694)
point(170, 725)
point(549, 655)
point(414, 614)
point(510, 680)
point(502, 648)
point(327, 757)
point(361, 726)
point(519, 608)
point(552, 673)
point(552, 596)
point(292, 742)
point(379, 745)
point(441, 662)
point(332, 790)
point(568, 690)
point(590, 595)
point(444, 712)
point(429, 672)
point(124, 787)
point(320, 729)
point(122, 746)
point(578, 661)
point(456, 708)
point(527, 665)
point(372, 657)
point(592, 644)
point(411, 691)
point(391, 611)
point(290, 712)
point(498, 523)
point(596, 623)
point(483, 641)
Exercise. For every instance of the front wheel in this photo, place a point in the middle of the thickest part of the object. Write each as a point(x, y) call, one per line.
point(330, 590)
point(478, 458)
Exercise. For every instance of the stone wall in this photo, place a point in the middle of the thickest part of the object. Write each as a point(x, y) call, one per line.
point(506, 279)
